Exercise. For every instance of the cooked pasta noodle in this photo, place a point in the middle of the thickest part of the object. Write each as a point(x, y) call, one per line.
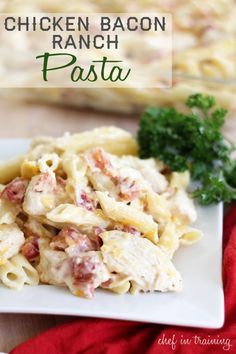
point(30, 274)
point(10, 169)
point(11, 276)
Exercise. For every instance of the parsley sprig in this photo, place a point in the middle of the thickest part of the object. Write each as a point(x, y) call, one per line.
point(192, 141)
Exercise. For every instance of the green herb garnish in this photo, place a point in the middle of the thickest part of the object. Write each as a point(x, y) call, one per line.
point(192, 141)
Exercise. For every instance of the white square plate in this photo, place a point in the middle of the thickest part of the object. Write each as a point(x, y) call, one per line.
point(200, 304)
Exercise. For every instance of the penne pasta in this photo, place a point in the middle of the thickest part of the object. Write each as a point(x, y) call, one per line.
point(180, 179)
point(158, 207)
point(76, 215)
point(112, 139)
point(127, 215)
point(8, 212)
point(11, 240)
point(31, 276)
point(189, 235)
point(169, 239)
point(11, 276)
point(10, 169)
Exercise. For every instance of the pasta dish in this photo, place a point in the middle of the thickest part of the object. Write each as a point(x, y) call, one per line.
point(84, 212)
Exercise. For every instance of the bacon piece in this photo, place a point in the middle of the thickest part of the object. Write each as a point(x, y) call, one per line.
point(131, 230)
point(15, 190)
point(129, 189)
point(30, 249)
point(101, 160)
point(107, 283)
point(95, 237)
point(127, 228)
point(71, 237)
point(83, 200)
point(84, 271)
point(98, 230)
point(61, 181)
point(45, 182)
point(58, 242)
point(84, 276)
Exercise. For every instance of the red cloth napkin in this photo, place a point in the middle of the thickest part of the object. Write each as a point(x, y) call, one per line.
point(98, 336)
